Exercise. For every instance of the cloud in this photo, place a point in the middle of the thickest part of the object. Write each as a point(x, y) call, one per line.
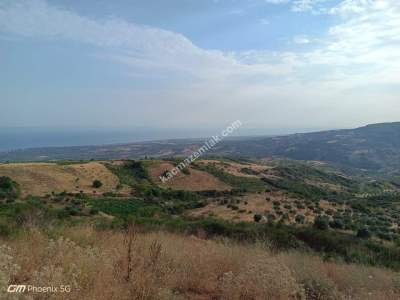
point(362, 50)
point(303, 5)
point(138, 46)
point(349, 7)
point(37, 19)
point(313, 6)
point(369, 34)
point(277, 1)
point(363, 47)
point(264, 21)
point(301, 39)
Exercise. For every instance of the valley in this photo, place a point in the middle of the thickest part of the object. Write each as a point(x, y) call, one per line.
point(284, 210)
point(274, 192)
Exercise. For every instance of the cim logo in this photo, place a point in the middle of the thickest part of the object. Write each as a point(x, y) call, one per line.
point(16, 288)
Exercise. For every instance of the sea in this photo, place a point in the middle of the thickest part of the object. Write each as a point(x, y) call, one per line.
point(13, 138)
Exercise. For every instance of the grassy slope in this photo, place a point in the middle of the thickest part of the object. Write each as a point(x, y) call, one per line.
point(159, 265)
point(154, 207)
point(40, 179)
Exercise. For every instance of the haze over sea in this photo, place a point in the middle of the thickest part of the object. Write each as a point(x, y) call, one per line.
point(22, 137)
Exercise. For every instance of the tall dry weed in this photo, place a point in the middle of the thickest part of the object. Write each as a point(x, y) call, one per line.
point(158, 265)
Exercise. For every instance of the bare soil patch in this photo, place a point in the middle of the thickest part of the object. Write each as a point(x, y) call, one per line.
point(237, 169)
point(196, 180)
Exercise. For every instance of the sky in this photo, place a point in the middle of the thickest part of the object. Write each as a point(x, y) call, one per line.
point(199, 64)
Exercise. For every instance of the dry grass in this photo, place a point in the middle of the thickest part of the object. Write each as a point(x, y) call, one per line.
point(253, 203)
point(235, 168)
point(134, 265)
point(195, 181)
point(256, 203)
point(40, 179)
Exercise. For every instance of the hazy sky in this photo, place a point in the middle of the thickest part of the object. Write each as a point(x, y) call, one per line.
point(197, 64)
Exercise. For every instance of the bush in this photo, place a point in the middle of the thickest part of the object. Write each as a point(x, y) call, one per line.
point(257, 218)
point(337, 224)
point(321, 223)
point(363, 233)
point(300, 206)
point(94, 211)
point(233, 207)
point(300, 219)
point(97, 184)
point(5, 229)
point(72, 210)
point(186, 171)
point(9, 189)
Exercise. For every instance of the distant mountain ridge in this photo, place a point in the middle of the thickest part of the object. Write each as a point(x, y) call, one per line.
point(372, 147)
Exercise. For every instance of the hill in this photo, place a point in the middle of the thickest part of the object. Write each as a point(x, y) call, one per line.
point(190, 180)
point(222, 229)
point(40, 179)
point(374, 148)
point(286, 192)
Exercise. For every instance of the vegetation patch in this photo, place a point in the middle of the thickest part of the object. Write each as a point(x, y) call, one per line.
point(245, 184)
point(130, 172)
point(125, 207)
point(9, 189)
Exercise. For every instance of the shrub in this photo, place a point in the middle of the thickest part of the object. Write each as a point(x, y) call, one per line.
point(330, 212)
point(363, 233)
point(97, 184)
point(300, 219)
point(5, 229)
point(94, 211)
point(249, 171)
point(300, 206)
point(321, 223)
point(234, 207)
point(186, 171)
point(337, 224)
point(9, 189)
point(257, 218)
point(72, 210)
point(285, 217)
